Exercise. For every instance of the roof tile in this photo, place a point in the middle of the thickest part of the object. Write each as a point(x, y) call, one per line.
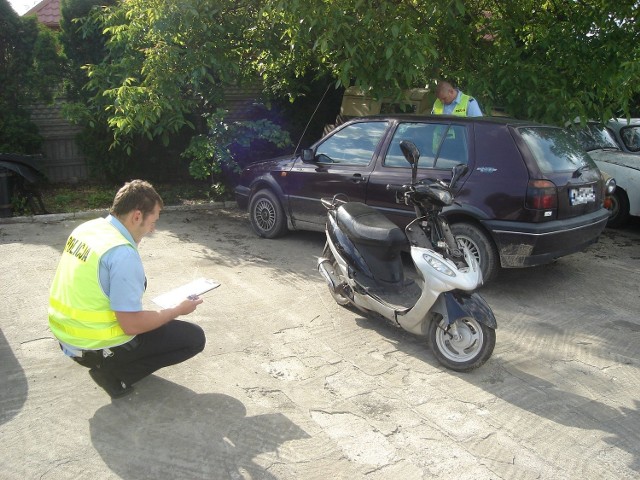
point(48, 13)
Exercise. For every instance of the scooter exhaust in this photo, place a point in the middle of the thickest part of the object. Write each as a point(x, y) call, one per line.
point(326, 270)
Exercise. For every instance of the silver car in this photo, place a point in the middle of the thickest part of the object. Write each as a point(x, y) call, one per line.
point(626, 133)
point(599, 142)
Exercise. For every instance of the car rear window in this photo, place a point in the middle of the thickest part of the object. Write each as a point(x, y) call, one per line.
point(554, 149)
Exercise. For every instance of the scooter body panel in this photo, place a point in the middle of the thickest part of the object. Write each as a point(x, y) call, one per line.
point(457, 304)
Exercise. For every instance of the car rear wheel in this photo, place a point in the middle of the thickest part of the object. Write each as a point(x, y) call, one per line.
point(267, 215)
point(480, 246)
point(619, 209)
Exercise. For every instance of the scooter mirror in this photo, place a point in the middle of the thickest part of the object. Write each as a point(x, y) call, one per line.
point(412, 154)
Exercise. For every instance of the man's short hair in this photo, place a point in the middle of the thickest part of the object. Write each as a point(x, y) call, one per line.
point(135, 195)
point(443, 86)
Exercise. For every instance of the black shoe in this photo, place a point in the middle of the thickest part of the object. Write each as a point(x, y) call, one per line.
point(114, 387)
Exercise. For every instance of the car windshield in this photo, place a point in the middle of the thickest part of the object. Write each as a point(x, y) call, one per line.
point(595, 137)
point(555, 150)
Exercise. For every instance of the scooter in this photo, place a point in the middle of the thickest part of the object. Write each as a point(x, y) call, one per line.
point(362, 264)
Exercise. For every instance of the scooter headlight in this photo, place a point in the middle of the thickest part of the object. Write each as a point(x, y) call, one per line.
point(439, 265)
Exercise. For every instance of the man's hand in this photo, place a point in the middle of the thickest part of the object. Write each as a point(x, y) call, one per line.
point(189, 305)
point(134, 323)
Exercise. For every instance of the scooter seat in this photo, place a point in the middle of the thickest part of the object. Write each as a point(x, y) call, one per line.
point(365, 225)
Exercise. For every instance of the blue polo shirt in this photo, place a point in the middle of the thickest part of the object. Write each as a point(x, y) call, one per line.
point(121, 273)
point(473, 109)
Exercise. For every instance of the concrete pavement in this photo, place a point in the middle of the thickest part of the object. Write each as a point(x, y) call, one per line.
point(293, 387)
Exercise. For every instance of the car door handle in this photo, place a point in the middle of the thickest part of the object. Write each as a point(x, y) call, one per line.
point(358, 178)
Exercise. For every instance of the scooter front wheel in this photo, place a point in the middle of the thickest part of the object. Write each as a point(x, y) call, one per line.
point(462, 346)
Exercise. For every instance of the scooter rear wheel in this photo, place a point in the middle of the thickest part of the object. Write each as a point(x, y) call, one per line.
point(468, 350)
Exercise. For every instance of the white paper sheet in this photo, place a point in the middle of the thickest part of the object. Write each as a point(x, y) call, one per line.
point(177, 295)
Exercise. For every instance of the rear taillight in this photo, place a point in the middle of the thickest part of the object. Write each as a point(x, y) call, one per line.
point(541, 195)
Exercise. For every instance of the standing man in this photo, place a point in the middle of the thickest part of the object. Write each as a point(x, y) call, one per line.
point(95, 303)
point(452, 101)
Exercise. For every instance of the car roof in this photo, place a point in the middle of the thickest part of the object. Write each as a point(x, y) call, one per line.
point(498, 120)
point(622, 122)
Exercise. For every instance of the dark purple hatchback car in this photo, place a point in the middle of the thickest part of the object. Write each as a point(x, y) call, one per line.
point(530, 194)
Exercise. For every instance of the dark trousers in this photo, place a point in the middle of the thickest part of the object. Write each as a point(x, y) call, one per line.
point(172, 343)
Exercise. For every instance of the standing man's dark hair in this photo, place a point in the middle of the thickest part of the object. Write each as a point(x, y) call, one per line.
point(95, 303)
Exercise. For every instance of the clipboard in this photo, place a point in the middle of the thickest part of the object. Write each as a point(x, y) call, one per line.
point(175, 296)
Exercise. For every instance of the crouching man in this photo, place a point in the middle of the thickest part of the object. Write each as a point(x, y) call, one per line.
point(95, 303)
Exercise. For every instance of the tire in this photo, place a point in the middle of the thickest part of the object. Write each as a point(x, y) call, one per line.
point(470, 351)
point(267, 215)
point(619, 209)
point(480, 245)
point(339, 298)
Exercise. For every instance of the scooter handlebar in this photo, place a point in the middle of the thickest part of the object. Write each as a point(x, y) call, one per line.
point(398, 188)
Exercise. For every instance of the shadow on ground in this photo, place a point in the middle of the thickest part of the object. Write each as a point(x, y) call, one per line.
point(14, 388)
point(165, 430)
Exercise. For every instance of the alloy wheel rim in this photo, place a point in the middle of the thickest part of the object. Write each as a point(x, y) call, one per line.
point(465, 347)
point(265, 215)
point(473, 248)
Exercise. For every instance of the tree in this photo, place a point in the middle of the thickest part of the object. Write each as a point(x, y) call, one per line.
point(556, 60)
point(165, 70)
point(549, 61)
point(167, 64)
point(29, 72)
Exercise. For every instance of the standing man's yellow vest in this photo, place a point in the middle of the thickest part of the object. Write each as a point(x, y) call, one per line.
point(79, 311)
point(460, 109)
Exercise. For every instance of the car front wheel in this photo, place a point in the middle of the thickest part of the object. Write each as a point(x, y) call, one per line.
point(480, 246)
point(267, 215)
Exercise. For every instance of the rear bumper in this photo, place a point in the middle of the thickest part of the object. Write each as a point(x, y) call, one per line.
point(525, 244)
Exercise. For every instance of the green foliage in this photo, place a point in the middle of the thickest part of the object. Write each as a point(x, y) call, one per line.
point(63, 198)
point(548, 61)
point(29, 72)
point(81, 46)
point(18, 134)
point(19, 204)
point(553, 61)
point(210, 153)
point(165, 69)
point(156, 71)
point(382, 45)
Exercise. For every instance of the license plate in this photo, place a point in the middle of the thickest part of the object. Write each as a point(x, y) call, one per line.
point(580, 196)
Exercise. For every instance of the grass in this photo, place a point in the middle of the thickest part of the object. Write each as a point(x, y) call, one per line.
point(68, 198)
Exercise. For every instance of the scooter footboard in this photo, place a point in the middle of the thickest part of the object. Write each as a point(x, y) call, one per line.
point(458, 304)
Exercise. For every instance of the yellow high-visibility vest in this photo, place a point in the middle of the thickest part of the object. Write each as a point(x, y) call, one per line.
point(460, 109)
point(79, 312)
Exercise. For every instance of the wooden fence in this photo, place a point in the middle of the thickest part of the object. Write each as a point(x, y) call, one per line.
point(63, 160)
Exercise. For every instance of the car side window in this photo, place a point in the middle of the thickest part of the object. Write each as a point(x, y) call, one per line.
point(454, 148)
point(422, 135)
point(355, 144)
point(631, 138)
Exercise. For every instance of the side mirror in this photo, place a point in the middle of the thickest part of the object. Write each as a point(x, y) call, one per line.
point(308, 156)
point(412, 154)
point(457, 172)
